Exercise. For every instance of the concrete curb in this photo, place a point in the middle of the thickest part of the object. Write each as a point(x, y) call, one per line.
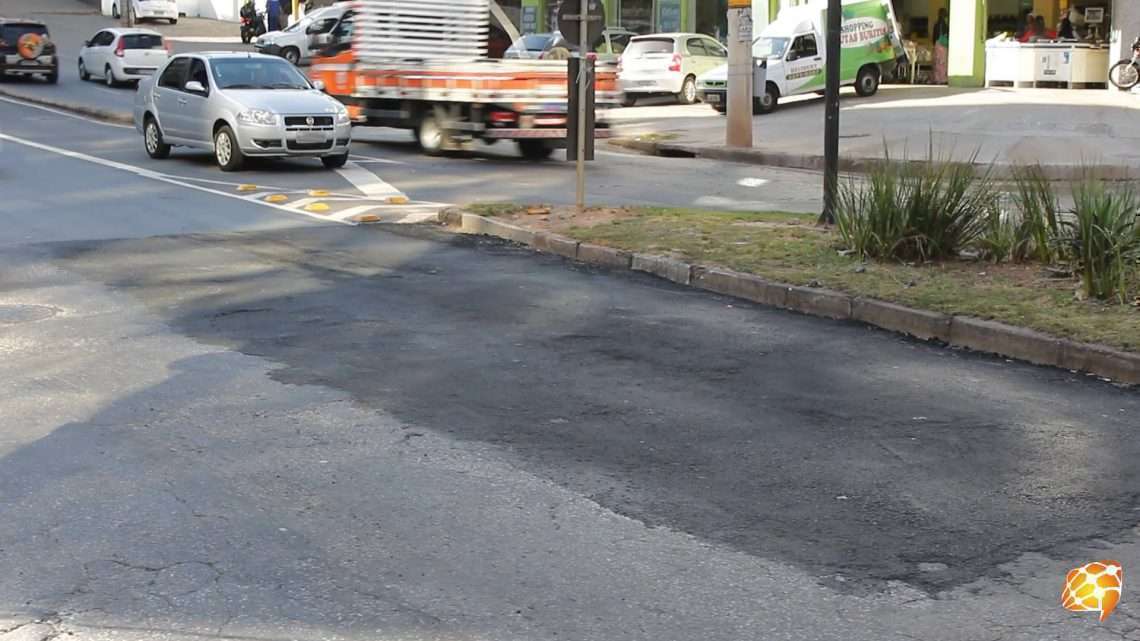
point(105, 115)
point(847, 164)
point(960, 331)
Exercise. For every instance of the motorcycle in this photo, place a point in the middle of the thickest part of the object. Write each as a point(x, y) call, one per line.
point(252, 27)
point(1126, 73)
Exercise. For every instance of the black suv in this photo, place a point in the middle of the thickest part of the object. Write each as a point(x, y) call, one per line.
point(26, 49)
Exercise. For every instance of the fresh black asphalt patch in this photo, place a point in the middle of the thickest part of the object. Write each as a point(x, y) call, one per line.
point(858, 455)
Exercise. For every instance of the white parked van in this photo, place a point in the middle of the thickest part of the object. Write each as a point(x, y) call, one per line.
point(794, 56)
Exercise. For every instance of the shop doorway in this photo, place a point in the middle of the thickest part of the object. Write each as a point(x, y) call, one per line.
point(712, 18)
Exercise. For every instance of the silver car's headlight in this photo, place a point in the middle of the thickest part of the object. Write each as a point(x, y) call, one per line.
point(342, 117)
point(258, 117)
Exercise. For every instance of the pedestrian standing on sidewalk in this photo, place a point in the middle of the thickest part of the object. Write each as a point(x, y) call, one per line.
point(942, 26)
point(939, 75)
point(273, 14)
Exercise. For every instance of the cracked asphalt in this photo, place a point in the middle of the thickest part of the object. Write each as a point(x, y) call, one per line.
point(221, 421)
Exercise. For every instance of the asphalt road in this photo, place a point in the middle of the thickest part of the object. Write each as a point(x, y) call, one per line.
point(223, 419)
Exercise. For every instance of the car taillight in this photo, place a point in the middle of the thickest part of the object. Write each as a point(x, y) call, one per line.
point(121, 48)
point(503, 117)
point(169, 47)
point(676, 65)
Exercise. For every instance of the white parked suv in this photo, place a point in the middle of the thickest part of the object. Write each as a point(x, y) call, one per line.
point(144, 9)
point(122, 55)
point(668, 63)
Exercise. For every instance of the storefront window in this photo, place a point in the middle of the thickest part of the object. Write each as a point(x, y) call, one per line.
point(636, 15)
point(712, 18)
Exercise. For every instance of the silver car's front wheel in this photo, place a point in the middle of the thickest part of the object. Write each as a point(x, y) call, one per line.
point(226, 150)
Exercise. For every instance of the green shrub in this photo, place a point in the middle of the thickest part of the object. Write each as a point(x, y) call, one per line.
point(1002, 237)
point(1038, 225)
point(1103, 238)
point(916, 211)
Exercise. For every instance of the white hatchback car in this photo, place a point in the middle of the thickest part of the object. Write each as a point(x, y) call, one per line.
point(122, 55)
point(668, 63)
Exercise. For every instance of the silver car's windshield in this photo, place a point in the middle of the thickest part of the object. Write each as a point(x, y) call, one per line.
point(769, 47)
point(255, 73)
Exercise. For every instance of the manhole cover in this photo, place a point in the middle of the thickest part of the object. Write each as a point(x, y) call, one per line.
point(12, 314)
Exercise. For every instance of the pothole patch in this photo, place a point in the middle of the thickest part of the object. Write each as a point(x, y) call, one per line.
point(14, 314)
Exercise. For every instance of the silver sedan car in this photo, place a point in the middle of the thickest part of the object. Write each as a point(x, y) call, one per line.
point(240, 105)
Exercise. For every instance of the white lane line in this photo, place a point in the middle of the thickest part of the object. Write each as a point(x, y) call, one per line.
point(386, 161)
point(153, 175)
point(367, 182)
point(351, 211)
point(59, 112)
point(417, 218)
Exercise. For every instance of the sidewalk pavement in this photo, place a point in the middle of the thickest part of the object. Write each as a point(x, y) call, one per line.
point(1064, 130)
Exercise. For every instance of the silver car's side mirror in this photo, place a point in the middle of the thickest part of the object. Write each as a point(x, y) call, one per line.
point(322, 40)
point(194, 87)
point(319, 85)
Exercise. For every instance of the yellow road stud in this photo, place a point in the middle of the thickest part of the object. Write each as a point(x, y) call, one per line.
point(366, 218)
point(397, 200)
point(318, 193)
point(247, 187)
point(276, 198)
point(317, 208)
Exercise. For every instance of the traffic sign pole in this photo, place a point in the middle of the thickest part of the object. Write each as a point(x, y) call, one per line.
point(738, 132)
point(831, 110)
point(583, 86)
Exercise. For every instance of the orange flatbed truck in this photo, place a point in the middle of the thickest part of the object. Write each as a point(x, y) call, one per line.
point(421, 65)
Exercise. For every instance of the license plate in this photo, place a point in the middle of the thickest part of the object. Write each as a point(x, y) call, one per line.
point(526, 122)
point(712, 98)
point(646, 83)
point(311, 137)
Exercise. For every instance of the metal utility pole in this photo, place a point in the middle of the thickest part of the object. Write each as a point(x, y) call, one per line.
point(831, 123)
point(127, 13)
point(738, 132)
point(583, 88)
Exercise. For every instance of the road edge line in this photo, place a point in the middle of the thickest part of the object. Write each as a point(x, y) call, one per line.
point(966, 332)
point(158, 176)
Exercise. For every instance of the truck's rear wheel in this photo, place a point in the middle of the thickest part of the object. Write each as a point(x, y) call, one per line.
point(429, 135)
point(535, 149)
point(867, 82)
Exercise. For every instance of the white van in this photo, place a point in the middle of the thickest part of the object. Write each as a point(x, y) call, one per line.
point(144, 9)
point(794, 56)
point(295, 42)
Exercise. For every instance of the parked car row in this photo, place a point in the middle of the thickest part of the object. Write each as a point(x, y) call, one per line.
point(648, 65)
